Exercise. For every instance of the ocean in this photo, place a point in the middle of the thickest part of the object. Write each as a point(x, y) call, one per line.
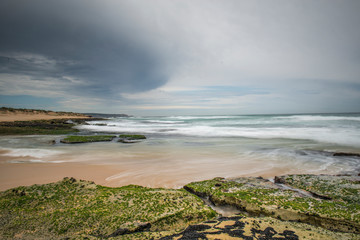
point(180, 149)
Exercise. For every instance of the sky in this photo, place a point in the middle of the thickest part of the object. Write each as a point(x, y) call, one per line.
point(179, 57)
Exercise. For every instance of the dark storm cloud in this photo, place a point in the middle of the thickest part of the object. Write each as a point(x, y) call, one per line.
point(252, 56)
point(46, 38)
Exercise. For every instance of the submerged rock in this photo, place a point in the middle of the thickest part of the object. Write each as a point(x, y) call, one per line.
point(343, 154)
point(86, 139)
point(126, 138)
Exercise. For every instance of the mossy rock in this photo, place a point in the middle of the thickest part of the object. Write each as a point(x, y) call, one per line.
point(132, 137)
point(242, 227)
point(78, 209)
point(87, 139)
point(258, 196)
point(42, 127)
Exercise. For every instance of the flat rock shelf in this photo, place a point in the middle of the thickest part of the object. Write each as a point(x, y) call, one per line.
point(292, 207)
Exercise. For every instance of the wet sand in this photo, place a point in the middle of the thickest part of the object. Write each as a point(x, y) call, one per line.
point(139, 172)
point(156, 162)
point(25, 174)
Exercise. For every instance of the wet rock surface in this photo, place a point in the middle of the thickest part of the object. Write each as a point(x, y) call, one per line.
point(54, 126)
point(77, 209)
point(87, 139)
point(331, 202)
point(295, 207)
point(249, 228)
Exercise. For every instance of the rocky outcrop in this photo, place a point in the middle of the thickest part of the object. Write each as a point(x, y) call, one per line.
point(87, 139)
point(128, 138)
point(76, 209)
point(331, 202)
point(344, 154)
point(53, 126)
point(249, 228)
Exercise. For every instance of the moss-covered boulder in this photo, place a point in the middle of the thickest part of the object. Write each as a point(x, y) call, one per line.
point(79, 209)
point(339, 211)
point(132, 136)
point(128, 138)
point(86, 139)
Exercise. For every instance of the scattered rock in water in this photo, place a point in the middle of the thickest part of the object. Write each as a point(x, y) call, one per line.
point(128, 141)
point(132, 137)
point(343, 154)
point(127, 138)
point(86, 139)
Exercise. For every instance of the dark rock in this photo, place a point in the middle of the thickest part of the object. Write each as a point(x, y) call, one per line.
point(128, 141)
point(280, 180)
point(343, 154)
point(69, 180)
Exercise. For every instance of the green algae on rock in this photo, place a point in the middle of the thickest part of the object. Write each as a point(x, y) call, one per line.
point(72, 208)
point(86, 139)
point(250, 228)
point(38, 127)
point(42, 127)
point(132, 137)
point(127, 138)
point(259, 196)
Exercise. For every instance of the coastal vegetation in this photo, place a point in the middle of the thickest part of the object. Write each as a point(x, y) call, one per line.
point(4, 110)
point(85, 139)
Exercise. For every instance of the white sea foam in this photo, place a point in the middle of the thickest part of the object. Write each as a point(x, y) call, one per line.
point(304, 127)
point(319, 118)
point(163, 122)
point(29, 152)
point(201, 117)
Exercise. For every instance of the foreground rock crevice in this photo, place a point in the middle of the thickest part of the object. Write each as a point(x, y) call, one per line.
point(332, 202)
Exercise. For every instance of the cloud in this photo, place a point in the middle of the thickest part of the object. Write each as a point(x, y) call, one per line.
point(67, 39)
point(161, 54)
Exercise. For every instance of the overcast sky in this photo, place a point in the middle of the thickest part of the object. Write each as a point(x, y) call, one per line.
point(168, 57)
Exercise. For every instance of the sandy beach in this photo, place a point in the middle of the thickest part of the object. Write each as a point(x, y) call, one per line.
point(200, 149)
point(26, 174)
point(11, 117)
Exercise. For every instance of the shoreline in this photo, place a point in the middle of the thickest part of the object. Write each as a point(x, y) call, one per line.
point(218, 184)
point(26, 174)
point(32, 117)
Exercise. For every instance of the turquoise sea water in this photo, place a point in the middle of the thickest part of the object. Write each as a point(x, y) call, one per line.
point(180, 149)
point(336, 129)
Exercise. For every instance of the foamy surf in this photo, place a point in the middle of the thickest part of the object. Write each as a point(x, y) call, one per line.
point(182, 149)
point(335, 129)
point(24, 155)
